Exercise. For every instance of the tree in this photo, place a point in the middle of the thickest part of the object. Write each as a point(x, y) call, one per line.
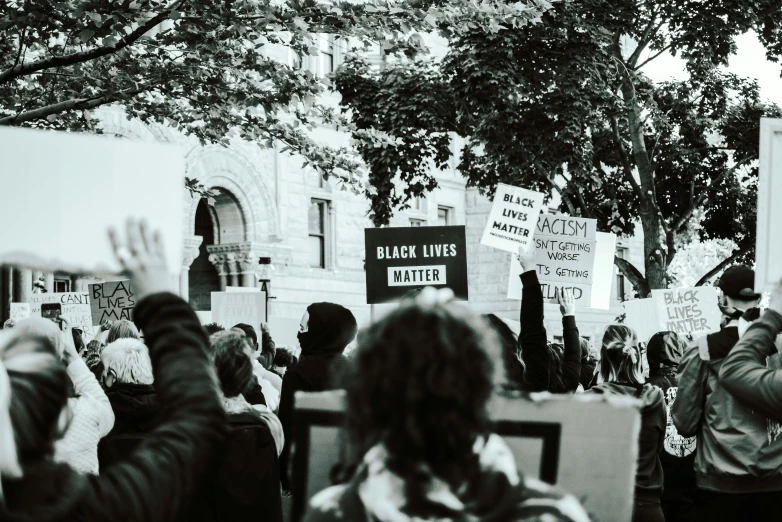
point(564, 106)
point(204, 66)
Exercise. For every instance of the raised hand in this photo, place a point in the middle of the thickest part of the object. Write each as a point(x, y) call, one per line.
point(567, 303)
point(527, 259)
point(142, 256)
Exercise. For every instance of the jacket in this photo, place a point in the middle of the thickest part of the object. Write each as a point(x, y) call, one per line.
point(745, 373)
point(678, 455)
point(496, 491)
point(538, 360)
point(587, 373)
point(314, 373)
point(138, 411)
point(160, 481)
point(739, 451)
point(246, 484)
point(92, 419)
point(649, 474)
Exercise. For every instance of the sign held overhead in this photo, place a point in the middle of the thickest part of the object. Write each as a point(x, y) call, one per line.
point(513, 217)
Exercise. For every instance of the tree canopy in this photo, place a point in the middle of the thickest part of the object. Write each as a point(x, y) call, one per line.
point(203, 67)
point(564, 106)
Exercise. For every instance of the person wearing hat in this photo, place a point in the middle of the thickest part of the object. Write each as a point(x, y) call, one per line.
point(738, 467)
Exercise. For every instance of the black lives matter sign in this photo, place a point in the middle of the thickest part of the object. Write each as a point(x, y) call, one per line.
point(400, 260)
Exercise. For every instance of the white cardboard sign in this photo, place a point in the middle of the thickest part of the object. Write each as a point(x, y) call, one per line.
point(513, 218)
point(78, 186)
point(686, 311)
point(768, 248)
point(72, 306)
point(232, 308)
point(20, 311)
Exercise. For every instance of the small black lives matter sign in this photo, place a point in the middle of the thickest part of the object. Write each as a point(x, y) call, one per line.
point(402, 259)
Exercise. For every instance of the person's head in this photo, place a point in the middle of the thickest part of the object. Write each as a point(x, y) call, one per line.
point(737, 284)
point(45, 328)
point(664, 351)
point(34, 389)
point(282, 360)
point(213, 328)
point(326, 328)
point(620, 356)
point(122, 329)
point(126, 361)
point(514, 367)
point(421, 380)
point(585, 346)
point(249, 333)
point(232, 354)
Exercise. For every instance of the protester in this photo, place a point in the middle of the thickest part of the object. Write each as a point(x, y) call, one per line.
point(283, 359)
point(664, 351)
point(324, 332)
point(419, 419)
point(91, 416)
point(122, 329)
point(745, 373)
point(213, 328)
point(621, 374)
point(91, 356)
point(246, 485)
point(738, 465)
point(160, 481)
point(587, 367)
point(544, 368)
point(514, 367)
point(271, 384)
point(138, 410)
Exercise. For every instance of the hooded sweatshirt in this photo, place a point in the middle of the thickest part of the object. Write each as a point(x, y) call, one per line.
point(330, 329)
point(649, 475)
point(495, 492)
point(137, 411)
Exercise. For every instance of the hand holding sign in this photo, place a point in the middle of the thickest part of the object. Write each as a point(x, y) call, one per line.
point(526, 257)
point(143, 256)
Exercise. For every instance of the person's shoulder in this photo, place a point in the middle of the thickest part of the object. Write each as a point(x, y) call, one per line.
point(541, 501)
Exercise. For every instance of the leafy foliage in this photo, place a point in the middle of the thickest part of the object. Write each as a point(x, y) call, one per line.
point(564, 106)
point(208, 68)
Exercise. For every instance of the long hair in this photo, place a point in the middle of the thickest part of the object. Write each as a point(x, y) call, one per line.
point(122, 329)
point(509, 343)
point(33, 392)
point(421, 379)
point(620, 358)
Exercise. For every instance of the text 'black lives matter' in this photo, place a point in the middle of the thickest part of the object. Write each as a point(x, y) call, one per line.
point(403, 259)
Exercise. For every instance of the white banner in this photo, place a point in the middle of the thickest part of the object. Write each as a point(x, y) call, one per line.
point(513, 217)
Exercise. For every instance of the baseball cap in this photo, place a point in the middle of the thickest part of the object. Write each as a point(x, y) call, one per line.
point(738, 282)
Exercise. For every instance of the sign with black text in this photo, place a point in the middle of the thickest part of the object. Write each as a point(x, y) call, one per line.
point(513, 217)
point(688, 310)
point(111, 301)
point(71, 306)
point(402, 259)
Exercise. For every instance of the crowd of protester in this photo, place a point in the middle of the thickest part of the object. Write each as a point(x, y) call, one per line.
point(161, 418)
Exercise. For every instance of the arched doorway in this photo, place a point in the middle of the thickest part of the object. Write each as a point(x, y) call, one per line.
point(220, 224)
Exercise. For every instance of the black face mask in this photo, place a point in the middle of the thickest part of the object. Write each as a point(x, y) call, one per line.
point(305, 339)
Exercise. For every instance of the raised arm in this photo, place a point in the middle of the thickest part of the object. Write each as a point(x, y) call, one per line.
point(571, 363)
point(163, 478)
point(532, 339)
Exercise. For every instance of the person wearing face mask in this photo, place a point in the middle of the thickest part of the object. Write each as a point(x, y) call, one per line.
point(325, 330)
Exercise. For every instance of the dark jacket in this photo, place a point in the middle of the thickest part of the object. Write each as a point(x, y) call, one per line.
point(745, 374)
point(137, 412)
point(540, 373)
point(246, 485)
point(254, 395)
point(739, 451)
point(649, 474)
point(160, 481)
point(587, 373)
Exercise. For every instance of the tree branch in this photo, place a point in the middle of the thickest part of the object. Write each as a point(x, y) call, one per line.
point(639, 282)
point(83, 56)
point(745, 247)
point(21, 46)
point(80, 104)
point(653, 57)
point(626, 166)
point(642, 42)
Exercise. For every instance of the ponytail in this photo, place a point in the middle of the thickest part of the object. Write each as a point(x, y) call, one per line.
point(620, 357)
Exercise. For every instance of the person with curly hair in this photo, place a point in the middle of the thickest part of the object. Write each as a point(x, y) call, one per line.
point(417, 413)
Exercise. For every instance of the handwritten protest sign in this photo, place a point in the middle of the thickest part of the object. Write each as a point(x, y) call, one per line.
point(111, 301)
point(81, 167)
point(232, 308)
point(74, 307)
point(768, 248)
point(688, 310)
point(513, 217)
point(20, 311)
point(585, 444)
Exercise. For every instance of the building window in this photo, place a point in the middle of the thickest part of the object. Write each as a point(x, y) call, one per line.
point(62, 285)
point(621, 252)
point(417, 222)
point(444, 216)
point(318, 233)
point(418, 204)
point(315, 179)
point(326, 58)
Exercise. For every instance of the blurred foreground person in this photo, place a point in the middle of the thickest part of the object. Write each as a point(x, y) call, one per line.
point(417, 412)
point(246, 483)
point(138, 409)
point(160, 481)
point(621, 373)
point(738, 465)
point(664, 351)
point(269, 383)
point(324, 332)
point(91, 414)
